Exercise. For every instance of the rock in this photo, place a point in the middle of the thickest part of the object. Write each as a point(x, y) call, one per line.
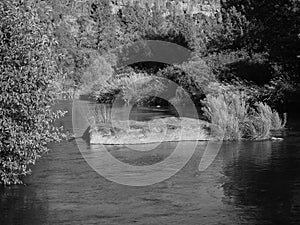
point(276, 139)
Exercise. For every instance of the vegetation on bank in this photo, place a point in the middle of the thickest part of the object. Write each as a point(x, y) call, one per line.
point(244, 67)
point(241, 42)
point(233, 118)
point(27, 90)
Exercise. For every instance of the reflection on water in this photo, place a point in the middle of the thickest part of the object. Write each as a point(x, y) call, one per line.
point(264, 180)
point(248, 183)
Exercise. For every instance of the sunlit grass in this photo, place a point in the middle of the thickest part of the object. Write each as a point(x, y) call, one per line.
point(232, 118)
point(99, 115)
point(277, 122)
point(132, 88)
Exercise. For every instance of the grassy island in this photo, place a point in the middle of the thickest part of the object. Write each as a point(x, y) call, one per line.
point(226, 121)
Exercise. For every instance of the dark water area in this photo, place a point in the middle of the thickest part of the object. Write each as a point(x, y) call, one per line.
point(248, 183)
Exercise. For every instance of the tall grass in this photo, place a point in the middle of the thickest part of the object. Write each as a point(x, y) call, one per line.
point(219, 112)
point(277, 122)
point(140, 87)
point(99, 114)
point(102, 113)
point(257, 123)
point(132, 88)
point(232, 118)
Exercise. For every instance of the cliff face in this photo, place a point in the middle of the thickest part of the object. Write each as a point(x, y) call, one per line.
point(206, 7)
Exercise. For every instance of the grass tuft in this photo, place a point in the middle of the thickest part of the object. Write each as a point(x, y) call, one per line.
point(232, 118)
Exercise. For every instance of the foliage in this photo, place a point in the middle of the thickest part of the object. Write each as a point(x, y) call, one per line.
point(28, 72)
point(277, 91)
point(99, 114)
point(274, 28)
point(131, 88)
point(221, 115)
point(232, 65)
point(253, 32)
point(276, 122)
point(193, 76)
point(84, 29)
point(132, 20)
point(232, 33)
point(233, 118)
point(98, 71)
point(263, 79)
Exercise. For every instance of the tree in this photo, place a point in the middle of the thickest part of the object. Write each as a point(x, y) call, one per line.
point(275, 28)
point(133, 21)
point(27, 76)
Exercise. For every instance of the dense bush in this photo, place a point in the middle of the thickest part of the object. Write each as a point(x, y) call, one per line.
point(193, 76)
point(263, 79)
point(241, 31)
point(233, 118)
point(274, 28)
point(229, 65)
point(278, 91)
point(224, 122)
point(230, 34)
point(98, 71)
point(99, 115)
point(132, 88)
point(28, 72)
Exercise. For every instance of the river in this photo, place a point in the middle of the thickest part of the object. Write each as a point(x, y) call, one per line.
point(248, 183)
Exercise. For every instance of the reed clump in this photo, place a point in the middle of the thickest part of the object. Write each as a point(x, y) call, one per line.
point(232, 117)
point(131, 88)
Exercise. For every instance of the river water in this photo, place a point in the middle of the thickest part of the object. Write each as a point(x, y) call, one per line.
point(248, 183)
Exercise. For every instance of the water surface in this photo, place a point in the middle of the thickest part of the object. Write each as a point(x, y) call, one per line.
point(248, 183)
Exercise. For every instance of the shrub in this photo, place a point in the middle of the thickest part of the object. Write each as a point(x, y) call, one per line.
point(232, 117)
point(276, 123)
point(105, 92)
point(231, 33)
point(264, 80)
point(240, 64)
point(182, 79)
point(224, 123)
point(28, 72)
point(98, 71)
point(193, 76)
point(259, 120)
point(277, 91)
point(99, 114)
point(198, 69)
point(274, 28)
point(132, 88)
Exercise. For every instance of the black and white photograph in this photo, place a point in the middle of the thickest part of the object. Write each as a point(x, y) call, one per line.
point(149, 112)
